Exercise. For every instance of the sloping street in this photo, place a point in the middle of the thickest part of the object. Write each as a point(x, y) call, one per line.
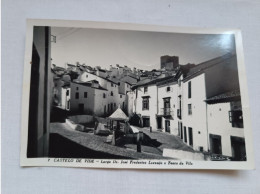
point(66, 142)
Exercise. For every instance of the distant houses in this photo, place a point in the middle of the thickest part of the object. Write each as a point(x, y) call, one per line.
point(93, 91)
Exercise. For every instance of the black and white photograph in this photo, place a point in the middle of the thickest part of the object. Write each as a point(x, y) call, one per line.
point(134, 96)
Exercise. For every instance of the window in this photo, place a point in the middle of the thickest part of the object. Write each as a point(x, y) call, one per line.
point(145, 89)
point(236, 118)
point(86, 76)
point(67, 92)
point(119, 83)
point(112, 84)
point(77, 95)
point(146, 103)
point(189, 89)
point(85, 94)
point(168, 89)
point(120, 96)
point(77, 88)
point(112, 94)
point(104, 95)
point(189, 109)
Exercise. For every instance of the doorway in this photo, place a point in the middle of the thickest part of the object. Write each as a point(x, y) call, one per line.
point(215, 144)
point(159, 122)
point(190, 136)
point(167, 126)
point(185, 135)
point(238, 149)
point(146, 121)
point(181, 130)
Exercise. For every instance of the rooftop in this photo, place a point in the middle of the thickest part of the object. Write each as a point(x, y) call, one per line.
point(89, 84)
point(118, 115)
point(224, 97)
point(197, 69)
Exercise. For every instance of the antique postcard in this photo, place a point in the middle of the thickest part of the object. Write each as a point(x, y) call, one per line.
point(116, 95)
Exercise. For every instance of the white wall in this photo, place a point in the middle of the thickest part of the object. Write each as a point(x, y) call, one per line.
point(152, 92)
point(65, 98)
point(218, 124)
point(88, 102)
point(163, 93)
point(198, 95)
point(86, 76)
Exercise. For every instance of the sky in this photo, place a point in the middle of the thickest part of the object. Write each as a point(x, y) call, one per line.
point(103, 47)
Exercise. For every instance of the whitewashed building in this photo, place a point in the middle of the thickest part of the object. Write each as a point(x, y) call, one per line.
point(201, 82)
point(146, 102)
point(88, 98)
point(65, 97)
point(225, 125)
point(110, 99)
point(178, 105)
point(167, 106)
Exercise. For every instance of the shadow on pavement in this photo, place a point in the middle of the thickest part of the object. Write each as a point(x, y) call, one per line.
point(64, 148)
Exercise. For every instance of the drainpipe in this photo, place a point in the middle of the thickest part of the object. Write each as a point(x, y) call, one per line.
point(157, 100)
point(207, 126)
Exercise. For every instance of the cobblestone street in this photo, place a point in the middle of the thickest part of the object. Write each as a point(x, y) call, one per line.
point(66, 142)
point(95, 146)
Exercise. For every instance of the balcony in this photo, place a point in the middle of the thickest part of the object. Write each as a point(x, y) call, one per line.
point(166, 111)
point(179, 113)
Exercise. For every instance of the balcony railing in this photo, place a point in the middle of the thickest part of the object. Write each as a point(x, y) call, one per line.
point(179, 113)
point(167, 111)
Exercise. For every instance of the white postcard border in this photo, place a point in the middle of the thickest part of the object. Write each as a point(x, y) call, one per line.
point(127, 164)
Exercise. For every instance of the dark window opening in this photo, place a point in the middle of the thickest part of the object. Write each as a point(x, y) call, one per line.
point(236, 118)
point(85, 94)
point(145, 103)
point(145, 89)
point(189, 89)
point(189, 109)
point(77, 95)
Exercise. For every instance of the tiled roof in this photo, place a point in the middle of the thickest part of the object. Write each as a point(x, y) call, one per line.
point(224, 97)
point(129, 80)
point(89, 84)
point(150, 81)
point(118, 115)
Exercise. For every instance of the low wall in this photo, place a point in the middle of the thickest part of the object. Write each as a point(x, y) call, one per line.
point(184, 155)
point(75, 126)
point(82, 118)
